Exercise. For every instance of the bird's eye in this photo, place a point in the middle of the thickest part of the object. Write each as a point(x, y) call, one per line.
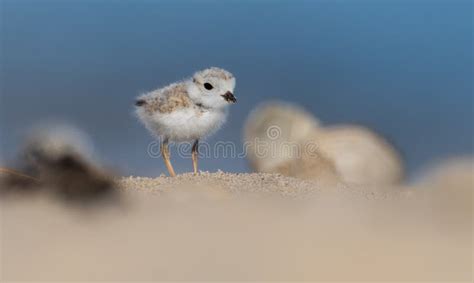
point(208, 86)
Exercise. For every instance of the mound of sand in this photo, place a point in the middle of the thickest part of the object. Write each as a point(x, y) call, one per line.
point(229, 185)
point(224, 183)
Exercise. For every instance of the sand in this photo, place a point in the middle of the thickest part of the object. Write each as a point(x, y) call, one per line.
point(227, 183)
point(230, 185)
point(221, 226)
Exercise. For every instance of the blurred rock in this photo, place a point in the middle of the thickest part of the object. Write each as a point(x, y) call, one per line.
point(286, 139)
point(360, 156)
point(452, 174)
point(294, 123)
point(448, 187)
point(278, 140)
point(59, 160)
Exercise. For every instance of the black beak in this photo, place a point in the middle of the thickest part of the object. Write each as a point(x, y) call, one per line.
point(229, 97)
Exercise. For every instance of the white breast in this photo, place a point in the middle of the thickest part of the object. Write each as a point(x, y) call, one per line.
point(186, 124)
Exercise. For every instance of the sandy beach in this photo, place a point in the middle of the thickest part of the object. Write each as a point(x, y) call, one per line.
point(220, 226)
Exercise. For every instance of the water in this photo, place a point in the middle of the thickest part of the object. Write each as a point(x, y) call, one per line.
point(403, 68)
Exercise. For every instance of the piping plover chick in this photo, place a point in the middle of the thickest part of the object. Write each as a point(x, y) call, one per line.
point(188, 110)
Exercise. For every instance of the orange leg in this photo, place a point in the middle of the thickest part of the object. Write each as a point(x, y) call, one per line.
point(166, 157)
point(194, 155)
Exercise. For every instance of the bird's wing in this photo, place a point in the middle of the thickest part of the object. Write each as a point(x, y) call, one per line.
point(165, 100)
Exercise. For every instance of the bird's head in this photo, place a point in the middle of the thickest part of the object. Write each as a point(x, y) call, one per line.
point(213, 88)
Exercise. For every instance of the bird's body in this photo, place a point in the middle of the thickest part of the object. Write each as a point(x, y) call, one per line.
point(187, 110)
point(169, 113)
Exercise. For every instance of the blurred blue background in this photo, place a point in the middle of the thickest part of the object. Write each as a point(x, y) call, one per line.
point(403, 68)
